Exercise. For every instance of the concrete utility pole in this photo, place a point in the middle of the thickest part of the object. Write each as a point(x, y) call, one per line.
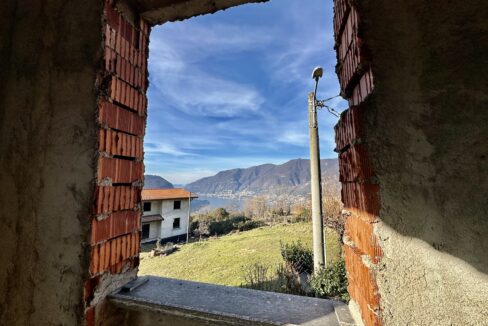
point(315, 175)
point(188, 219)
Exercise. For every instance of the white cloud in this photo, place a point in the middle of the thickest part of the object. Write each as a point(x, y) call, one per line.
point(184, 177)
point(165, 148)
point(206, 39)
point(191, 89)
point(293, 137)
point(204, 118)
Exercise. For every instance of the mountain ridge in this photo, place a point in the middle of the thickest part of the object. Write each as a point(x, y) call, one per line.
point(292, 177)
point(152, 181)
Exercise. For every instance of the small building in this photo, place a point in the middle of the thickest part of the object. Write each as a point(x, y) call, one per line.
point(165, 214)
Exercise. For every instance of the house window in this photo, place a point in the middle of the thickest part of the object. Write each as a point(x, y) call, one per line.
point(147, 206)
point(145, 231)
point(176, 223)
point(177, 204)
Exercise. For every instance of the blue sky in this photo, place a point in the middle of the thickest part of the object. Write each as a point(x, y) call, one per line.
point(229, 90)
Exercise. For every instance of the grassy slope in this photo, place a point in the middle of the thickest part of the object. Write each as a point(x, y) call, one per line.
point(222, 260)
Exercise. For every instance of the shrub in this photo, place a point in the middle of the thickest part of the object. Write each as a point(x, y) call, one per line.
point(219, 222)
point(331, 282)
point(219, 227)
point(289, 280)
point(249, 225)
point(258, 277)
point(203, 227)
point(304, 214)
point(194, 226)
point(333, 215)
point(297, 256)
point(219, 214)
point(283, 279)
point(297, 219)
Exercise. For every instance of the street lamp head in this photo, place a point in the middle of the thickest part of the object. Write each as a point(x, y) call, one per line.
point(317, 73)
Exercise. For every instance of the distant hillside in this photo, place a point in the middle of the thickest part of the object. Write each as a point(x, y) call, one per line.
point(156, 182)
point(290, 177)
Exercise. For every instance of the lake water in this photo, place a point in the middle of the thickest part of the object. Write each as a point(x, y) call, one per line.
point(216, 202)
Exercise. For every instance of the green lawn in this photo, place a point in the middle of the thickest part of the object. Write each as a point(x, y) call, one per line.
point(222, 260)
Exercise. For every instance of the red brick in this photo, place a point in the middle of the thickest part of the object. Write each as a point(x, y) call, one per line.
point(362, 286)
point(113, 39)
point(354, 164)
point(119, 170)
point(349, 128)
point(105, 199)
point(363, 89)
point(94, 260)
point(101, 262)
point(117, 197)
point(108, 141)
point(136, 244)
point(131, 239)
point(341, 8)
point(101, 139)
point(111, 253)
point(108, 247)
point(115, 225)
point(363, 197)
point(118, 250)
point(111, 199)
point(98, 200)
point(90, 316)
point(89, 288)
point(111, 15)
point(124, 248)
point(107, 36)
point(121, 119)
point(125, 94)
point(360, 232)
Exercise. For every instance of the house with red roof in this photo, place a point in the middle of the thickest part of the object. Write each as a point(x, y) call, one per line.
point(166, 214)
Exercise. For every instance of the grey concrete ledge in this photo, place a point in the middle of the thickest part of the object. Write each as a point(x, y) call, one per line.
point(224, 305)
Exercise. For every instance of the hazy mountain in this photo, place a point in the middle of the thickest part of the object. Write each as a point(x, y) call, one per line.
point(156, 182)
point(291, 177)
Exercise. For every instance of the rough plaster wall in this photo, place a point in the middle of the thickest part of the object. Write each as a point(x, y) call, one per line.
point(162, 11)
point(48, 61)
point(427, 132)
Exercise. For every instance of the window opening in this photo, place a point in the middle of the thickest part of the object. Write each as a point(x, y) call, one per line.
point(176, 223)
point(228, 122)
point(147, 206)
point(177, 204)
point(145, 231)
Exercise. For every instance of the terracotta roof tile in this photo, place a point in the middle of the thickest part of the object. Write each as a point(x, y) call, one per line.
point(177, 193)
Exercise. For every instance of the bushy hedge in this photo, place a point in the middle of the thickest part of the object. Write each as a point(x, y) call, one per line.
point(225, 226)
point(249, 225)
point(331, 282)
point(262, 277)
point(298, 256)
point(219, 222)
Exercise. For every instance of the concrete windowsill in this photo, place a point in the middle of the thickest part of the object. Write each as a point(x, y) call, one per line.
point(148, 240)
point(223, 305)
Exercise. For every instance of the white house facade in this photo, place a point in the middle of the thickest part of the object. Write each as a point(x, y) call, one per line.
point(165, 214)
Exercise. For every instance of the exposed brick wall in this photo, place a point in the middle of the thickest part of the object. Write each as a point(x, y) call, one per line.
point(360, 191)
point(122, 103)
